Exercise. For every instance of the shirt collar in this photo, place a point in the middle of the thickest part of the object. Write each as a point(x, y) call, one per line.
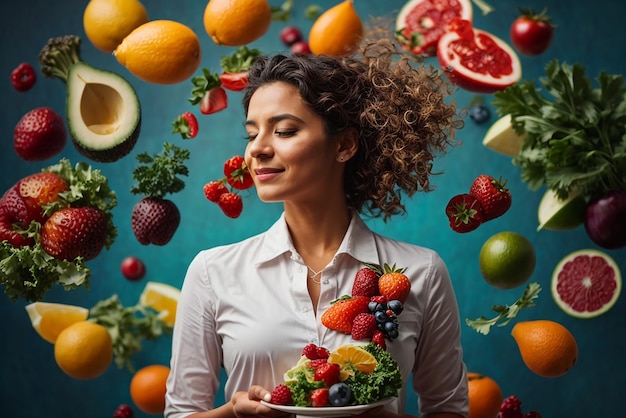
point(358, 241)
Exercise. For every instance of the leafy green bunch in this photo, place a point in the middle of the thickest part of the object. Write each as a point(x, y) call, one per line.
point(575, 131)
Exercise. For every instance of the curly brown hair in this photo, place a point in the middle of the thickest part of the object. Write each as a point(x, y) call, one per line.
point(396, 104)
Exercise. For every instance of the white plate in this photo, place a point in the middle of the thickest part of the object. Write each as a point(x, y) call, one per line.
point(327, 411)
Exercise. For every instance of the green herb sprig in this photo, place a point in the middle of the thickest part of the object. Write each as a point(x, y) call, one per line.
point(158, 175)
point(505, 313)
point(575, 131)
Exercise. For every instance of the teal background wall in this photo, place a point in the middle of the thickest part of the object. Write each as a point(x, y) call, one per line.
point(31, 384)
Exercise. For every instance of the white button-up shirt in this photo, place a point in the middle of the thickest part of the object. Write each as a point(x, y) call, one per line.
point(246, 307)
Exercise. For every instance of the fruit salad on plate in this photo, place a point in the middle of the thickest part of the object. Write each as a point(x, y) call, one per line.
point(351, 375)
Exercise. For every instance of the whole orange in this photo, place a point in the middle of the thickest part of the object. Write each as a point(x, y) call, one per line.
point(337, 31)
point(485, 396)
point(236, 22)
point(547, 347)
point(84, 350)
point(147, 388)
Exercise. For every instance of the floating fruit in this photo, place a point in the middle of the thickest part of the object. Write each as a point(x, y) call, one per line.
point(337, 31)
point(108, 22)
point(103, 112)
point(507, 260)
point(160, 52)
point(236, 22)
point(547, 347)
point(586, 283)
point(484, 394)
point(163, 298)
point(560, 214)
point(421, 23)
point(49, 319)
point(147, 388)
point(502, 137)
point(84, 350)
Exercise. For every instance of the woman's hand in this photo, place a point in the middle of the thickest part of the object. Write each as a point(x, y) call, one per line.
point(248, 405)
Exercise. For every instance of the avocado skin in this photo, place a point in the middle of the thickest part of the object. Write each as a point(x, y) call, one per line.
point(111, 154)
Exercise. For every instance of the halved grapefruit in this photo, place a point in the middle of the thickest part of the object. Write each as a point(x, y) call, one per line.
point(586, 283)
point(421, 23)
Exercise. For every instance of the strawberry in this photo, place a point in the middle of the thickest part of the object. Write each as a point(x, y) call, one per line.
point(363, 326)
point(214, 101)
point(231, 204)
point(41, 189)
point(315, 363)
point(394, 284)
point(186, 125)
point(464, 212)
point(365, 283)
point(20, 212)
point(323, 353)
point(40, 134)
point(213, 190)
point(342, 311)
point(234, 81)
point(319, 397)
point(237, 173)
point(8, 232)
point(23, 77)
point(328, 372)
point(379, 338)
point(154, 220)
point(313, 352)
point(281, 395)
point(493, 195)
point(74, 232)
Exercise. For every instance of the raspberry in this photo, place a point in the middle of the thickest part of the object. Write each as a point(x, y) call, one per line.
point(511, 407)
point(317, 362)
point(379, 338)
point(281, 395)
point(379, 299)
point(532, 414)
point(322, 352)
point(123, 411)
point(310, 351)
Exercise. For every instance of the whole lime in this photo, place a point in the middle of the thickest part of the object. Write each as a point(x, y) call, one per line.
point(507, 260)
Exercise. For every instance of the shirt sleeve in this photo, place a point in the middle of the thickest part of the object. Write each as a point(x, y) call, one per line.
point(440, 376)
point(196, 357)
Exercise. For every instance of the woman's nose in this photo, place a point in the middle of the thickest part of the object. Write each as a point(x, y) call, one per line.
point(259, 147)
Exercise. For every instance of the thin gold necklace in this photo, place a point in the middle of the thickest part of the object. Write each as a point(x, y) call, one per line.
point(315, 274)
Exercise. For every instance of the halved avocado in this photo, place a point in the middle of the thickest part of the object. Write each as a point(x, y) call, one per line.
point(103, 113)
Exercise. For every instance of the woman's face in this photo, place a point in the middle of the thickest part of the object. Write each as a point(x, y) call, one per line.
point(288, 153)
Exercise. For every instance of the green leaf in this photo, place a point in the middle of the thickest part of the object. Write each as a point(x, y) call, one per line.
point(505, 313)
point(240, 60)
point(158, 175)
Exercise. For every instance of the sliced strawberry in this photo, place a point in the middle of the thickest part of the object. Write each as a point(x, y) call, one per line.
point(319, 397)
point(214, 101)
point(464, 212)
point(234, 81)
point(237, 173)
point(186, 125)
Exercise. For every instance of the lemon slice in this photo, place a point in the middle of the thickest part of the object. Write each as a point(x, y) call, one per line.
point(502, 138)
point(49, 319)
point(163, 298)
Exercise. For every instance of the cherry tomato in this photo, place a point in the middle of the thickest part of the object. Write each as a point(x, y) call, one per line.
point(531, 33)
point(133, 268)
point(289, 35)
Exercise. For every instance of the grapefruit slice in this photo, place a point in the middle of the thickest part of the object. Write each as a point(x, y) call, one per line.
point(586, 283)
point(420, 23)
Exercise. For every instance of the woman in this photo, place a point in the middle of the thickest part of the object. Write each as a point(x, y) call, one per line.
point(330, 138)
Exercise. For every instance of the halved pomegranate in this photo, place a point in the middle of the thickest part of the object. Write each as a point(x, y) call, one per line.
point(421, 23)
point(476, 60)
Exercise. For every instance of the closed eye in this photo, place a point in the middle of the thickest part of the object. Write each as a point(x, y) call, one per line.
point(286, 133)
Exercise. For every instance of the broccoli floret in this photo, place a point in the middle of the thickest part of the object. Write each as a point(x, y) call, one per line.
point(59, 55)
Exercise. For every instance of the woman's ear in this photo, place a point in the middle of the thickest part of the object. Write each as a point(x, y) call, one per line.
point(348, 144)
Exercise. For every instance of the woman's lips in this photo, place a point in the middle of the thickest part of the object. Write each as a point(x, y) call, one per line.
point(264, 174)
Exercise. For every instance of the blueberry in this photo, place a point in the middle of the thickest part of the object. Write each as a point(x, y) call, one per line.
point(390, 326)
point(393, 334)
point(395, 306)
point(381, 317)
point(339, 394)
point(372, 306)
point(479, 113)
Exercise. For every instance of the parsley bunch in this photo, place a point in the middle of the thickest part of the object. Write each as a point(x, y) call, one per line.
point(575, 134)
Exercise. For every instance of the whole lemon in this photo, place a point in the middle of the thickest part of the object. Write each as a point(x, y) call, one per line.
point(84, 350)
point(160, 52)
point(108, 22)
point(237, 22)
point(507, 260)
